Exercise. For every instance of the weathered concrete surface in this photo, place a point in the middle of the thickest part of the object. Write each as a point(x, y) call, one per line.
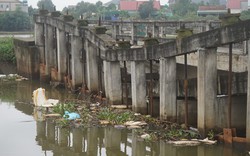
point(92, 66)
point(239, 62)
point(207, 90)
point(112, 81)
point(76, 63)
point(138, 85)
point(61, 54)
point(230, 34)
point(168, 89)
point(27, 57)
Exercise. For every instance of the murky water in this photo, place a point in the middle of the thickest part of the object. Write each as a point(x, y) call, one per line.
point(22, 135)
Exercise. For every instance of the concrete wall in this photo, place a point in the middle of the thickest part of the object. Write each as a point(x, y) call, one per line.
point(27, 58)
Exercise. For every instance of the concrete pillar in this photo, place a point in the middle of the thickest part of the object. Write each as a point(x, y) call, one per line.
point(112, 82)
point(207, 89)
point(245, 47)
point(39, 40)
point(49, 51)
point(155, 31)
point(146, 31)
point(138, 85)
point(168, 89)
point(92, 67)
point(61, 54)
point(133, 33)
point(115, 31)
point(161, 34)
point(248, 99)
point(76, 51)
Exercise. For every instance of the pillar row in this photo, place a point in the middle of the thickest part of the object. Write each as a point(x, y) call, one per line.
point(138, 82)
point(76, 51)
point(207, 89)
point(168, 89)
point(62, 54)
point(112, 82)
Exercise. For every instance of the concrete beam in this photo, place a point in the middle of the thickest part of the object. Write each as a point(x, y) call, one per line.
point(168, 97)
point(138, 85)
point(229, 34)
point(207, 90)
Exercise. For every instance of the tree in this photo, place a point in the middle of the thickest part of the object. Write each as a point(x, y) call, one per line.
point(46, 4)
point(15, 21)
point(146, 9)
point(245, 15)
point(184, 7)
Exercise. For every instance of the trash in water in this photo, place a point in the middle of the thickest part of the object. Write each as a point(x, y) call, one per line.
point(71, 116)
point(40, 99)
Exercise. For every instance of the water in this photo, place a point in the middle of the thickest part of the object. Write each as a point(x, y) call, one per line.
point(22, 135)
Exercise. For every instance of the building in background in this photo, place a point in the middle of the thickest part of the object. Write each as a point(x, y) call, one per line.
point(133, 5)
point(237, 6)
point(212, 10)
point(12, 5)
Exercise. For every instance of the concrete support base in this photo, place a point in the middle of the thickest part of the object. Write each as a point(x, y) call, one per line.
point(112, 82)
point(168, 89)
point(138, 82)
point(77, 71)
point(207, 89)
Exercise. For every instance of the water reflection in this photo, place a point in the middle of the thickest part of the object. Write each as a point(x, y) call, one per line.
point(49, 139)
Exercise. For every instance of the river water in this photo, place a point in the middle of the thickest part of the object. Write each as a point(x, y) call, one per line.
point(22, 135)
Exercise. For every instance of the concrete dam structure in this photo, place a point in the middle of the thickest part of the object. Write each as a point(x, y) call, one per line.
point(181, 79)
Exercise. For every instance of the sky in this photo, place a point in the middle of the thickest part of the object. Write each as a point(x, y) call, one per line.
point(60, 4)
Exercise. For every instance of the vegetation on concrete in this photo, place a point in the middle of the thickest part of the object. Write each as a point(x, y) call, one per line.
point(7, 50)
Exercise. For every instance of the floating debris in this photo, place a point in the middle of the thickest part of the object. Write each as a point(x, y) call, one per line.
point(40, 99)
point(71, 116)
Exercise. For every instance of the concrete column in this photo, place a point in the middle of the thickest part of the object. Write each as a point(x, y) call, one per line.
point(112, 82)
point(61, 54)
point(245, 47)
point(115, 31)
point(155, 31)
point(92, 67)
point(138, 82)
point(207, 89)
point(161, 34)
point(248, 99)
point(76, 51)
point(49, 51)
point(146, 31)
point(168, 89)
point(39, 40)
point(133, 34)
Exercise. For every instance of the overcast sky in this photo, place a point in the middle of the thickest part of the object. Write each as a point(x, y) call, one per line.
point(60, 4)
